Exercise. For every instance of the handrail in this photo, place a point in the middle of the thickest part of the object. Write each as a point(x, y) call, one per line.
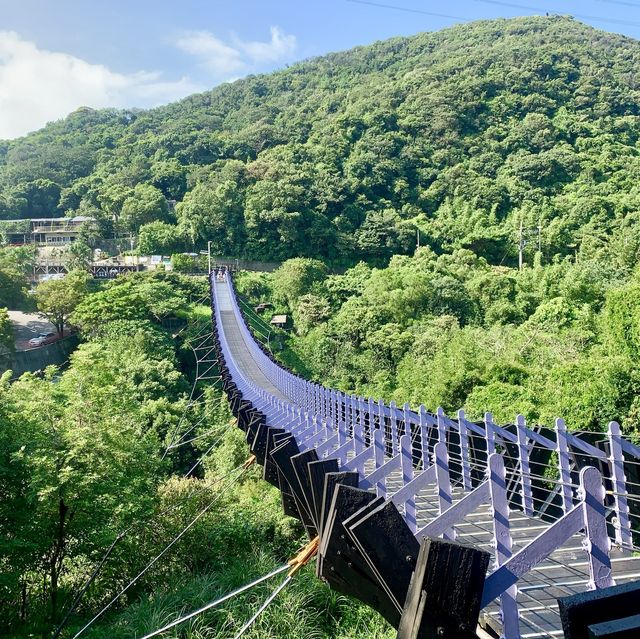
point(511, 467)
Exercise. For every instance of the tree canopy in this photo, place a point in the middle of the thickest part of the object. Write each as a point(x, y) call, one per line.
point(463, 136)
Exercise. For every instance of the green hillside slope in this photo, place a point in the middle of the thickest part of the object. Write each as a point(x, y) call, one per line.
point(463, 134)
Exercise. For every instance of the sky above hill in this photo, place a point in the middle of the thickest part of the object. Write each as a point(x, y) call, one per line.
point(58, 56)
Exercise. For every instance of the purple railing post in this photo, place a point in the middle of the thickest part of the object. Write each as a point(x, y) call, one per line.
point(424, 436)
point(358, 438)
point(503, 543)
point(406, 409)
point(394, 429)
point(406, 463)
point(489, 434)
point(378, 451)
point(443, 483)
point(353, 403)
point(525, 471)
point(464, 451)
point(562, 449)
point(381, 420)
point(361, 412)
point(342, 433)
point(596, 541)
point(442, 426)
point(372, 411)
point(621, 521)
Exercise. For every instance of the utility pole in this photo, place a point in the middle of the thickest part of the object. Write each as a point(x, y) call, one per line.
point(209, 254)
point(418, 238)
point(521, 246)
point(540, 236)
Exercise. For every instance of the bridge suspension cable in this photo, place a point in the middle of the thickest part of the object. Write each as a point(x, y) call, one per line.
point(242, 468)
point(217, 602)
point(264, 606)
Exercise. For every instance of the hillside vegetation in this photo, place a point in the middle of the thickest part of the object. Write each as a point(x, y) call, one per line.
point(465, 134)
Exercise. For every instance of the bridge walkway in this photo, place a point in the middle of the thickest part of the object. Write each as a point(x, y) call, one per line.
point(563, 572)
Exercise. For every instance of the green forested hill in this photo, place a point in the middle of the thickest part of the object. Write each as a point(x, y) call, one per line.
point(464, 133)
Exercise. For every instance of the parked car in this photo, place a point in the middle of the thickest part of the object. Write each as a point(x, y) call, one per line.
point(42, 338)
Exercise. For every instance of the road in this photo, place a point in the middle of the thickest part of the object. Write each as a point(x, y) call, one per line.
point(26, 326)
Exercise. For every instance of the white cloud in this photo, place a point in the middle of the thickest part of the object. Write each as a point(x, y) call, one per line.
point(224, 58)
point(281, 47)
point(213, 53)
point(37, 86)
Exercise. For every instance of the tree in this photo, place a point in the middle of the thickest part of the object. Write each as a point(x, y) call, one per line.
point(15, 263)
point(146, 204)
point(57, 299)
point(296, 277)
point(117, 302)
point(79, 255)
point(170, 177)
point(6, 332)
point(160, 298)
point(159, 238)
point(213, 213)
point(622, 321)
point(310, 311)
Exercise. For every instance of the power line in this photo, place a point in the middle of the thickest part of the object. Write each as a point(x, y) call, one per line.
point(511, 5)
point(263, 607)
point(409, 10)
point(121, 535)
point(622, 3)
point(582, 16)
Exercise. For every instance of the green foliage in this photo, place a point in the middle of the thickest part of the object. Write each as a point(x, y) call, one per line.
point(158, 238)
point(146, 204)
point(622, 321)
point(121, 302)
point(463, 134)
point(15, 264)
point(6, 332)
point(79, 255)
point(57, 299)
point(155, 296)
point(185, 263)
point(295, 278)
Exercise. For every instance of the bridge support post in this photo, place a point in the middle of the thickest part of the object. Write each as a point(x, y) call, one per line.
point(464, 451)
point(489, 434)
point(443, 482)
point(406, 463)
point(596, 541)
point(424, 436)
point(503, 544)
point(394, 429)
point(525, 471)
point(442, 426)
point(562, 448)
point(616, 459)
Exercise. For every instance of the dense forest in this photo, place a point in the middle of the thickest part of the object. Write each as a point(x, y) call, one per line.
point(89, 487)
point(480, 142)
point(465, 135)
point(557, 340)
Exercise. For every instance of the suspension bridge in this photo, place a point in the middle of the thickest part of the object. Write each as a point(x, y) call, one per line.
point(553, 513)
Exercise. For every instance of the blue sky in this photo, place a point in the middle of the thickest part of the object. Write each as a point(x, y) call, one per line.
point(57, 56)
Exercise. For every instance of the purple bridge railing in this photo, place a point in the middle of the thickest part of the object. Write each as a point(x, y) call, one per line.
point(567, 484)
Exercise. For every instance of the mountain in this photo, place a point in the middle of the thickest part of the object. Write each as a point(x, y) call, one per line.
point(480, 136)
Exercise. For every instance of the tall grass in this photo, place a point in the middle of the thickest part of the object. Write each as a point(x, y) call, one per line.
point(245, 537)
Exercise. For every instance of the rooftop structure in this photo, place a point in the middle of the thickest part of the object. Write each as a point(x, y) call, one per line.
point(44, 231)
